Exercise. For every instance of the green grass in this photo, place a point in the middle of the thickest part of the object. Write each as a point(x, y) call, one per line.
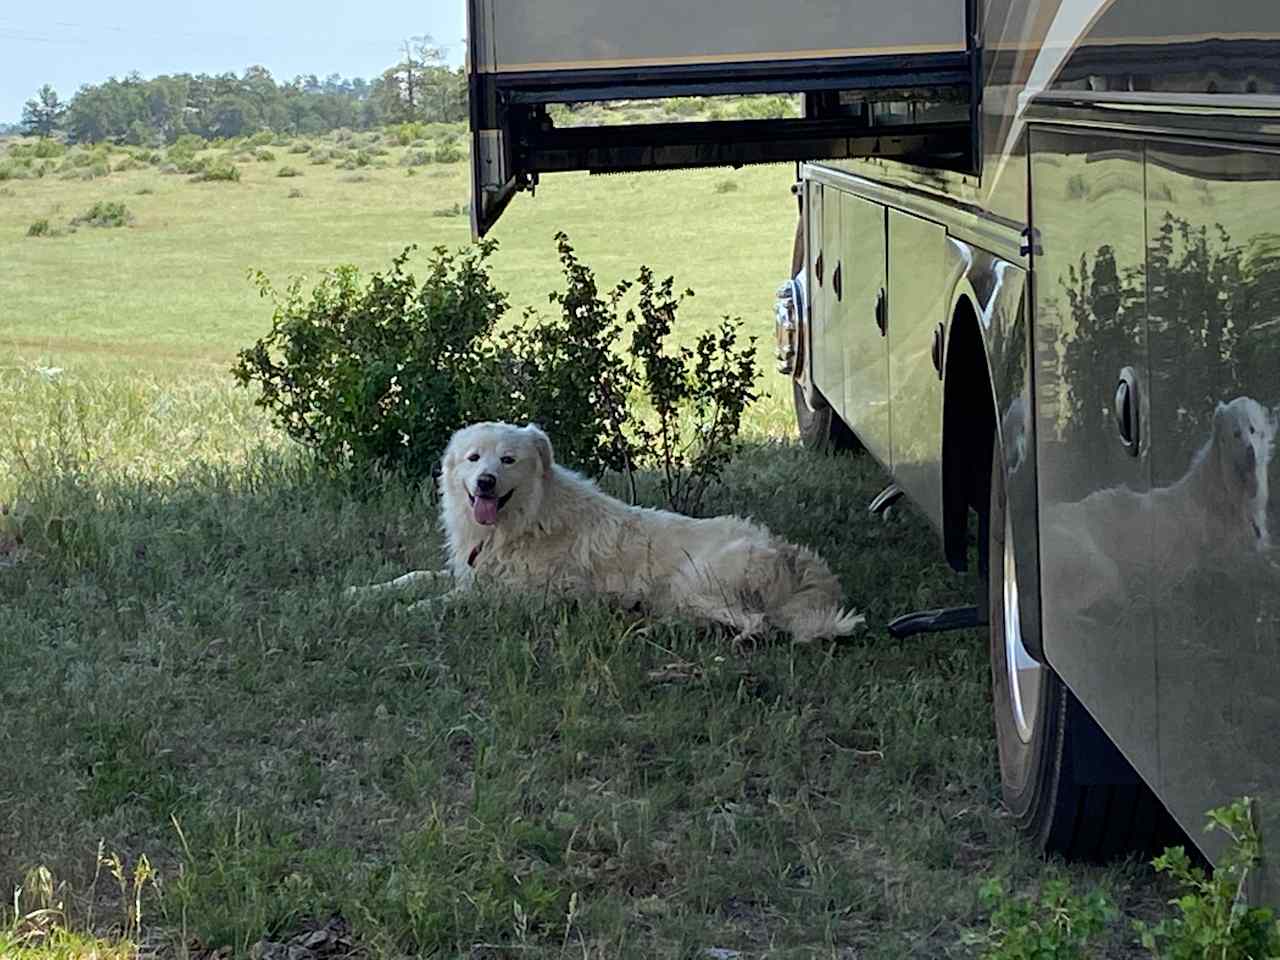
point(173, 292)
point(184, 680)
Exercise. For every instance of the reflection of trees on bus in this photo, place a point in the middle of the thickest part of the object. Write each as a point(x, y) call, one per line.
point(1213, 312)
point(1105, 303)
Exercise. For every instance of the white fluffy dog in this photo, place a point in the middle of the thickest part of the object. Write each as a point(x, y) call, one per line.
point(517, 520)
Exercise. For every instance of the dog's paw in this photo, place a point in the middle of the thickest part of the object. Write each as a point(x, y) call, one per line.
point(431, 603)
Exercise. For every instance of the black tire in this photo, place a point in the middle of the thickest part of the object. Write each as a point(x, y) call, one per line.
point(1067, 786)
point(821, 430)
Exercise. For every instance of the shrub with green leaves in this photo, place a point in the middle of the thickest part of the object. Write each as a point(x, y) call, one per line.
point(288, 171)
point(218, 170)
point(182, 161)
point(407, 133)
point(766, 107)
point(449, 152)
point(43, 149)
point(15, 171)
point(685, 106)
point(81, 157)
point(698, 394)
point(1214, 919)
point(415, 158)
point(40, 228)
point(105, 213)
point(1056, 925)
point(380, 374)
point(566, 372)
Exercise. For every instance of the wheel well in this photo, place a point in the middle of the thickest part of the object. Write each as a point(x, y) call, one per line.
point(968, 430)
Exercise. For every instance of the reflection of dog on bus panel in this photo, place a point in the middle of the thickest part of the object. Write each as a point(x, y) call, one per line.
point(1218, 507)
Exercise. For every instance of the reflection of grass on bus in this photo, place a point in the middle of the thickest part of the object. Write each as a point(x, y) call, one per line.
point(176, 650)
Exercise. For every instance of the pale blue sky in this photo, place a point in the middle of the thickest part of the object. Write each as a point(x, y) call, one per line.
point(77, 42)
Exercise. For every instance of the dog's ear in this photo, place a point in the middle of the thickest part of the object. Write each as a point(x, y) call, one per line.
point(542, 443)
point(449, 458)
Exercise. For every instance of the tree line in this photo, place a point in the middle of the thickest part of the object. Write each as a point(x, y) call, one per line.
point(420, 87)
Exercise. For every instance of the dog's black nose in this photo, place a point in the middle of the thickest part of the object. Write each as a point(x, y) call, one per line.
point(486, 483)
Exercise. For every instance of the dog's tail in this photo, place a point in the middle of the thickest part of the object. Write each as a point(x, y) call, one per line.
point(823, 624)
point(814, 611)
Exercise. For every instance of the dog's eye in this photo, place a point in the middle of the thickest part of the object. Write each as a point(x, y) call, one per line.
point(508, 459)
point(473, 457)
point(1251, 430)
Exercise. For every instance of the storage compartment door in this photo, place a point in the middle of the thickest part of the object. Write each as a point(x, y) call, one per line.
point(828, 302)
point(862, 348)
point(918, 293)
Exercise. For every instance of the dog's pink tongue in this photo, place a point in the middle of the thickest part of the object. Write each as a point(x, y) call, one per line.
point(486, 510)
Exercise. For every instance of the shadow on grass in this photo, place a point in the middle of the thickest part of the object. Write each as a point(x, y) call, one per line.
point(184, 679)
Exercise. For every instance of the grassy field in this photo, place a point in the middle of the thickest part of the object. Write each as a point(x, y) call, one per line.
point(170, 290)
point(183, 680)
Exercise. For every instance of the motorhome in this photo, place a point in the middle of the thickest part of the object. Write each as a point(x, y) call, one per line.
point(1036, 276)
